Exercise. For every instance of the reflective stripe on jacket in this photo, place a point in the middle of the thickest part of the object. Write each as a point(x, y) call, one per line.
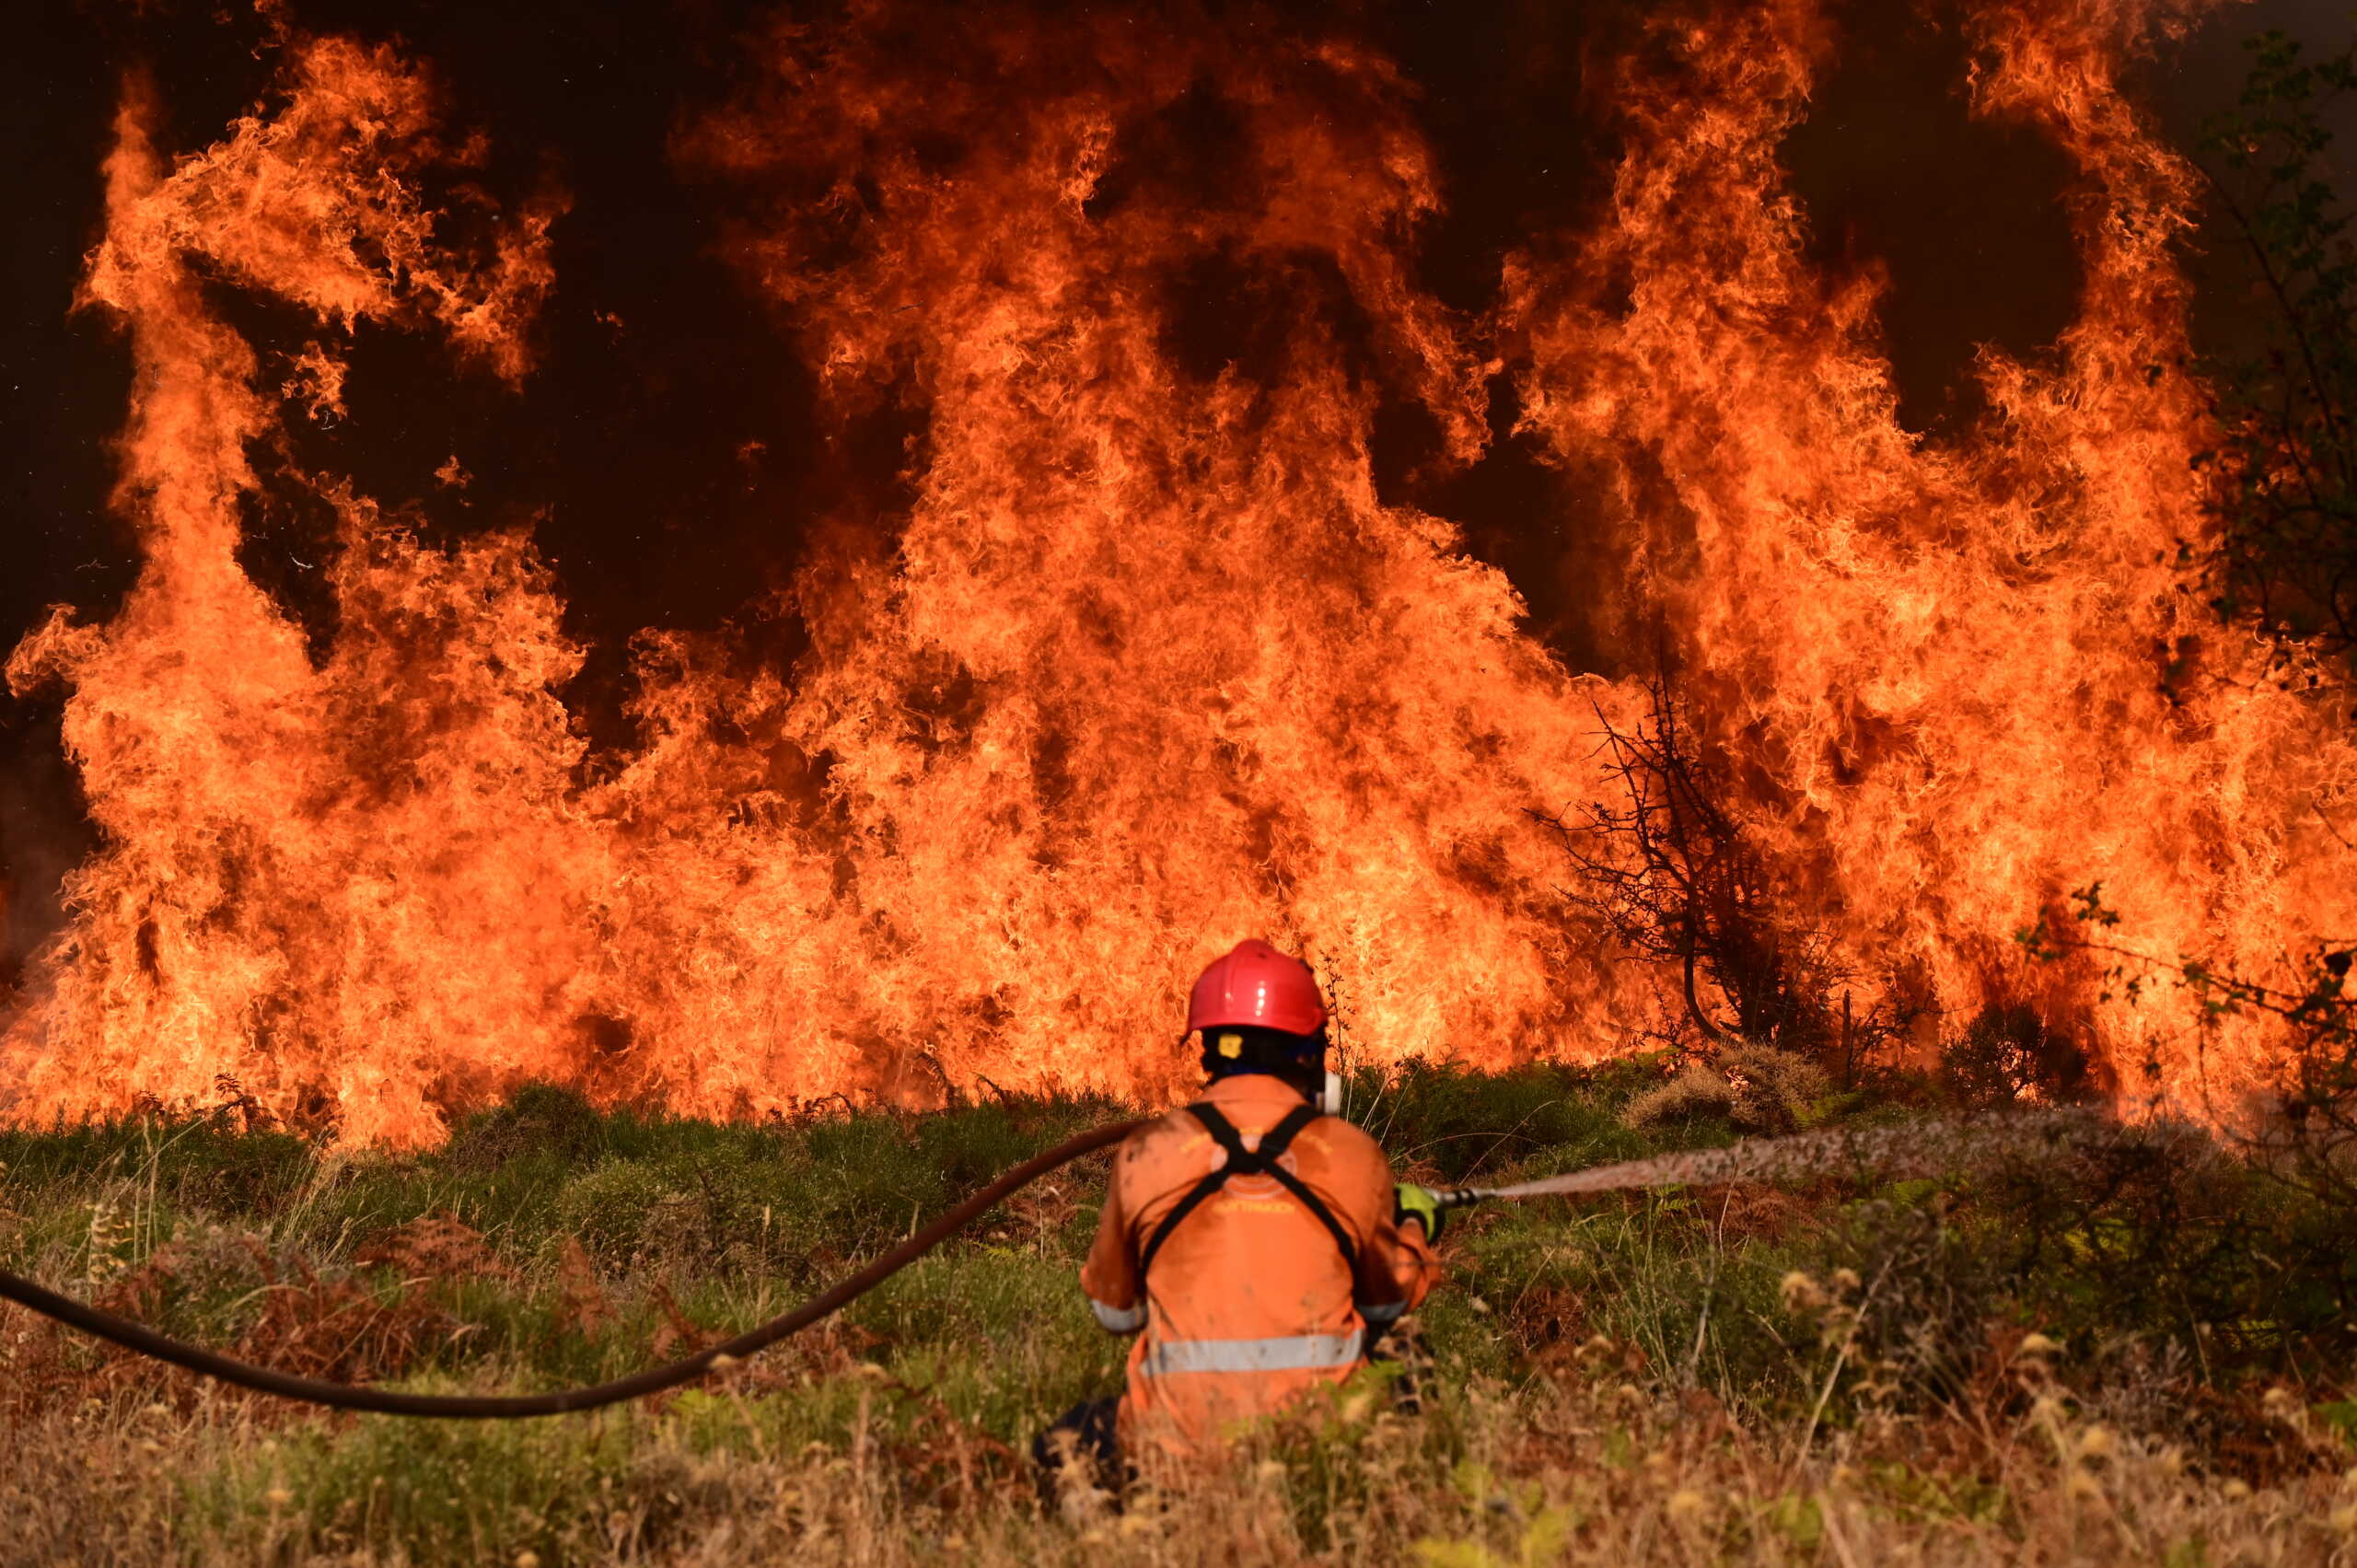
point(1250, 1300)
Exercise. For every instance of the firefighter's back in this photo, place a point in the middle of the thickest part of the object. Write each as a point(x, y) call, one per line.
point(1252, 1292)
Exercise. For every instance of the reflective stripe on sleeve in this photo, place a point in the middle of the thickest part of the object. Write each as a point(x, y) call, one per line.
point(1289, 1353)
point(1118, 1320)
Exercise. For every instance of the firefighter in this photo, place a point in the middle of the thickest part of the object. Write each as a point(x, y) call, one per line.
point(1252, 1242)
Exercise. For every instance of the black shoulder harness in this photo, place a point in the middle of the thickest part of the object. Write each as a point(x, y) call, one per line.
point(1242, 1161)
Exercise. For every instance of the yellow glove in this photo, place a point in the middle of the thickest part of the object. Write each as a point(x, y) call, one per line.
point(1418, 1203)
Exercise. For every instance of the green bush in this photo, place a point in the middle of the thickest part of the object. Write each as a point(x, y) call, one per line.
point(623, 1212)
point(1461, 1124)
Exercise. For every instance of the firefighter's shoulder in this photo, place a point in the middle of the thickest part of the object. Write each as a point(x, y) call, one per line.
point(1345, 1140)
point(1164, 1134)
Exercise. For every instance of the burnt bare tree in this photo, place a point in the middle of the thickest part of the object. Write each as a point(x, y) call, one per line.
point(1671, 871)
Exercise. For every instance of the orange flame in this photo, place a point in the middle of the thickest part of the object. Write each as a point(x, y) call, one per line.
point(1967, 672)
point(1149, 665)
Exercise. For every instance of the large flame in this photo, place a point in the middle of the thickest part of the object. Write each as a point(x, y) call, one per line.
point(1968, 675)
point(1147, 664)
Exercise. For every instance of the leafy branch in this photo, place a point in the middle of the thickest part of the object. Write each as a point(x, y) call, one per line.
point(2309, 1135)
point(2283, 491)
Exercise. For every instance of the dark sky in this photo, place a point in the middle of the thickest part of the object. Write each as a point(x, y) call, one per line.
point(627, 450)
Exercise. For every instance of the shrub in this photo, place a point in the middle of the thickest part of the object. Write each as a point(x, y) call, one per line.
point(1756, 1089)
point(1459, 1124)
point(2007, 1053)
point(538, 1118)
point(625, 1213)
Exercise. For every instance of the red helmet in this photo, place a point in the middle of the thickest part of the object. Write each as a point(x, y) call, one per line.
point(1254, 983)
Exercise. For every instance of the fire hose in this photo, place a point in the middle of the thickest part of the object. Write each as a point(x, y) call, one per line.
point(508, 1407)
point(1760, 1159)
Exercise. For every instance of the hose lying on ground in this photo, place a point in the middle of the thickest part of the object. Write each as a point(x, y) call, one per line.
point(481, 1407)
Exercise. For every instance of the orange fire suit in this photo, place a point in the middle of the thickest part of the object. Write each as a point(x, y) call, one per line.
point(1250, 1297)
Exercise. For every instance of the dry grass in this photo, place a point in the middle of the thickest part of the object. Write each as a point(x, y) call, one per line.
point(1574, 1470)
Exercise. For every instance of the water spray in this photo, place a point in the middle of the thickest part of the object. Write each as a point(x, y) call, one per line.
point(1887, 1150)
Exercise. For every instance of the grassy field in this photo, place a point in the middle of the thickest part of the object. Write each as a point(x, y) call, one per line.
point(2137, 1354)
